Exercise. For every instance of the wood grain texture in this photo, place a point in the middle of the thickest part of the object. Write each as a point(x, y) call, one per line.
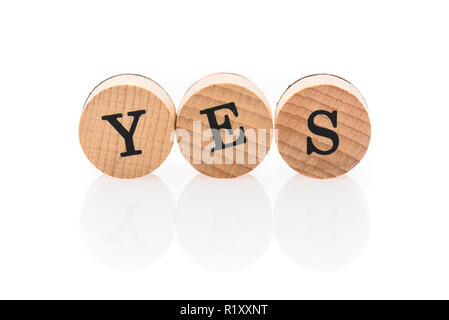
point(329, 93)
point(153, 135)
point(254, 115)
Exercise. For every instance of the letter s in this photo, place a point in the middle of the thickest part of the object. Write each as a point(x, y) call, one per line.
point(322, 132)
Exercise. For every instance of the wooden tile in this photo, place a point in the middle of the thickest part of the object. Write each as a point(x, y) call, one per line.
point(224, 125)
point(323, 128)
point(127, 126)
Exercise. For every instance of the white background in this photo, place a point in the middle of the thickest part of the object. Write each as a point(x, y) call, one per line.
point(379, 232)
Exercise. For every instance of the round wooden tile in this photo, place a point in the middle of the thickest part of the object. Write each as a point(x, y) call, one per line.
point(224, 125)
point(127, 126)
point(323, 128)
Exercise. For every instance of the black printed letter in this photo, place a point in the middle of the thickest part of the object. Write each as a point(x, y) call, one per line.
point(127, 135)
point(322, 132)
point(210, 112)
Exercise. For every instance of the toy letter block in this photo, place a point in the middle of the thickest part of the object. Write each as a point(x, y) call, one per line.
point(323, 126)
point(224, 125)
point(127, 126)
